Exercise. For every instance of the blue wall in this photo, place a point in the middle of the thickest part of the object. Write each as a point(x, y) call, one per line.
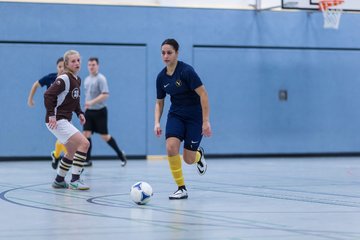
point(243, 57)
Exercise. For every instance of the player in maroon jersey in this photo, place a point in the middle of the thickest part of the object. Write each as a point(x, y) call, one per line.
point(61, 100)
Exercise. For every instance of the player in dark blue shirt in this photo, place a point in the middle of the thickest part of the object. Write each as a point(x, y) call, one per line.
point(47, 81)
point(188, 117)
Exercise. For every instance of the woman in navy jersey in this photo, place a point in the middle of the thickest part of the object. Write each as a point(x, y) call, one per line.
point(188, 117)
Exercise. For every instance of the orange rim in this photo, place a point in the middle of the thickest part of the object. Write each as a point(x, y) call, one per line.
point(325, 4)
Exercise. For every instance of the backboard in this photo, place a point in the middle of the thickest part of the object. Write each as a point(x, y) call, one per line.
point(227, 4)
point(348, 5)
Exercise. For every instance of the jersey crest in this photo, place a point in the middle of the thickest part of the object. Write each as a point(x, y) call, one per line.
point(75, 93)
point(178, 83)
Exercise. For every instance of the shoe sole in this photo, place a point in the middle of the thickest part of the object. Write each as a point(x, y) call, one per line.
point(78, 188)
point(123, 163)
point(82, 189)
point(123, 159)
point(59, 186)
point(202, 173)
point(202, 156)
point(173, 198)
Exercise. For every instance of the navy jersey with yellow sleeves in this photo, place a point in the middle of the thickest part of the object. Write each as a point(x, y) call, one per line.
point(180, 86)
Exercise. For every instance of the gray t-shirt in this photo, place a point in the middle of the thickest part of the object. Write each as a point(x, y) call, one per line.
point(94, 86)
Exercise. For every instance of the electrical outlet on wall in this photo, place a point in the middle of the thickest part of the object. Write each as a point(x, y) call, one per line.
point(283, 95)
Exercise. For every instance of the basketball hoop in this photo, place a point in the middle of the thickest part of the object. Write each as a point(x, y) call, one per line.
point(332, 10)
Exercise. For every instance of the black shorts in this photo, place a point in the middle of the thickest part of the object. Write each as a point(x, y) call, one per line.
point(96, 121)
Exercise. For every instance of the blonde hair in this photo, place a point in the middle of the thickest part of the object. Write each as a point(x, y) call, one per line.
point(66, 57)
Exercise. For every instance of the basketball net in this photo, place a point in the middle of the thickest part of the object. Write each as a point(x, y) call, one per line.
point(332, 10)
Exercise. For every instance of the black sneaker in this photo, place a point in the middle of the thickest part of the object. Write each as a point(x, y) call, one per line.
point(88, 163)
point(54, 161)
point(201, 164)
point(181, 193)
point(123, 159)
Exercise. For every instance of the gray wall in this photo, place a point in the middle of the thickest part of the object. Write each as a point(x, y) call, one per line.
point(243, 57)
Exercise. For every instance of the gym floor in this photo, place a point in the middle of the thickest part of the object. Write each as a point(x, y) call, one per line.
point(297, 198)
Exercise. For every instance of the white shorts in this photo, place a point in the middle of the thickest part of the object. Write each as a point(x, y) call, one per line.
point(63, 131)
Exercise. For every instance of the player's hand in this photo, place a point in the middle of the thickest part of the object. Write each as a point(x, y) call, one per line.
point(157, 130)
point(31, 102)
point(206, 129)
point(87, 105)
point(52, 122)
point(82, 119)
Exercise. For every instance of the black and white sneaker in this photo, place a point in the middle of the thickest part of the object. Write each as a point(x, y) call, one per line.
point(123, 159)
point(54, 161)
point(201, 164)
point(181, 193)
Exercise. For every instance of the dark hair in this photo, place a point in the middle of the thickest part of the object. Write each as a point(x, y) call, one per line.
point(60, 59)
point(172, 42)
point(94, 59)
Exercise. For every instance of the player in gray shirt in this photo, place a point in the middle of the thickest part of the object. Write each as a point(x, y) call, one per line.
point(96, 93)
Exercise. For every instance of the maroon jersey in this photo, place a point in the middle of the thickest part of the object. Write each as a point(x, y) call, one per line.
point(63, 97)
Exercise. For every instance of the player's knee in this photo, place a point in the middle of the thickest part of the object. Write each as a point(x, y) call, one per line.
point(70, 153)
point(85, 144)
point(172, 149)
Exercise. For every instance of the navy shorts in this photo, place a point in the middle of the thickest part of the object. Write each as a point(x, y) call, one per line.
point(187, 130)
point(96, 121)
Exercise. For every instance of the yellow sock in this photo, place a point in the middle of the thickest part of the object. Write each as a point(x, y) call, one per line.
point(59, 148)
point(197, 157)
point(176, 170)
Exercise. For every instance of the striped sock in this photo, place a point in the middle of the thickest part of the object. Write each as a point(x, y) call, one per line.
point(78, 165)
point(64, 166)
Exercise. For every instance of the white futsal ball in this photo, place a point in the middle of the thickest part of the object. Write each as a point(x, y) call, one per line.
point(141, 192)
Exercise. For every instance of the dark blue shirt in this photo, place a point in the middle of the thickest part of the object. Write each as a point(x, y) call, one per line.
point(180, 86)
point(48, 80)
